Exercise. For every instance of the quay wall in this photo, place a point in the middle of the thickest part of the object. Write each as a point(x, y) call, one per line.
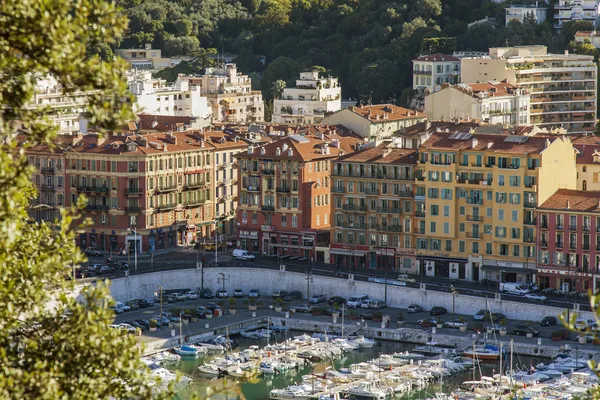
point(268, 280)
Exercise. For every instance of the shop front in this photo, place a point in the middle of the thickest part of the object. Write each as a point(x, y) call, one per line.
point(345, 257)
point(442, 267)
point(565, 280)
point(498, 271)
point(248, 240)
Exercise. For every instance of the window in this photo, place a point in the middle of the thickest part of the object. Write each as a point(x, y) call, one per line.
point(462, 210)
point(515, 216)
point(503, 249)
point(461, 227)
point(515, 181)
point(515, 198)
point(447, 194)
point(432, 227)
point(448, 246)
point(515, 233)
point(284, 220)
point(461, 246)
point(433, 193)
point(488, 248)
point(475, 247)
point(294, 221)
point(501, 215)
point(501, 197)
point(500, 232)
point(446, 227)
point(254, 218)
point(434, 209)
point(446, 211)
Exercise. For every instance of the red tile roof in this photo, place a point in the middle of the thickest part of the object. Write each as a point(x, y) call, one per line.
point(385, 153)
point(386, 112)
point(573, 200)
point(586, 152)
point(491, 143)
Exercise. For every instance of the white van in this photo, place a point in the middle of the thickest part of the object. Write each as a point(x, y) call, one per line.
point(514, 288)
point(240, 254)
point(355, 301)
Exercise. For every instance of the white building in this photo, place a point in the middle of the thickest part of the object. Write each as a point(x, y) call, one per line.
point(376, 122)
point(309, 101)
point(576, 10)
point(562, 86)
point(64, 109)
point(492, 102)
point(591, 36)
point(519, 12)
point(430, 72)
point(230, 94)
point(153, 96)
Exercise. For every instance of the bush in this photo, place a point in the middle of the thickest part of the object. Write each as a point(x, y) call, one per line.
point(478, 327)
point(232, 302)
point(176, 311)
point(461, 319)
point(377, 315)
point(400, 317)
point(557, 335)
point(503, 322)
point(153, 323)
point(279, 302)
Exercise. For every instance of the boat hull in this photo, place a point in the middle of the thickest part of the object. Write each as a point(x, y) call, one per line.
point(481, 356)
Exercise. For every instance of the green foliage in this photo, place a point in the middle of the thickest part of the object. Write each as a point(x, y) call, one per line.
point(52, 345)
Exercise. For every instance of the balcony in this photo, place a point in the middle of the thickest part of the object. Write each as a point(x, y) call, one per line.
point(133, 191)
point(132, 209)
point(267, 208)
point(193, 203)
point(166, 206)
point(90, 189)
point(405, 193)
point(389, 228)
point(48, 188)
point(47, 170)
point(474, 218)
point(572, 246)
point(420, 214)
point(559, 245)
point(268, 171)
point(529, 204)
point(587, 228)
point(529, 239)
point(283, 189)
point(530, 221)
point(559, 227)
point(193, 185)
point(338, 190)
point(544, 244)
point(371, 191)
point(96, 207)
point(166, 188)
point(474, 235)
point(253, 189)
point(572, 227)
point(585, 247)
point(353, 207)
point(474, 201)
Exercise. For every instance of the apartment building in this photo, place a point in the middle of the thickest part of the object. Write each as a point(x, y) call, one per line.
point(153, 96)
point(229, 93)
point(475, 200)
point(373, 209)
point(284, 205)
point(491, 102)
point(432, 71)
point(226, 147)
point(148, 58)
point(518, 12)
point(569, 241)
point(375, 122)
point(562, 86)
point(49, 179)
point(575, 10)
point(590, 36)
point(147, 192)
point(64, 109)
point(308, 102)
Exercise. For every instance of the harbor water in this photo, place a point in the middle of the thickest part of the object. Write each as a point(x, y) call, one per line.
point(236, 388)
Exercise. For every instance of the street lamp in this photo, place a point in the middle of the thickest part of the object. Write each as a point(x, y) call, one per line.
point(309, 280)
point(135, 247)
point(454, 293)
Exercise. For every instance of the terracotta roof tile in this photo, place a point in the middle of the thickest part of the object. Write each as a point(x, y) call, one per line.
point(386, 112)
point(385, 153)
point(585, 153)
point(486, 142)
point(437, 57)
point(578, 200)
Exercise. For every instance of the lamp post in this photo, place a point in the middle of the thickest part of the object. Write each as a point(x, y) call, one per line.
point(222, 280)
point(135, 246)
point(454, 293)
point(160, 288)
point(309, 280)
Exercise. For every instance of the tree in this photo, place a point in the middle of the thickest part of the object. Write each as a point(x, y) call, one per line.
point(48, 353)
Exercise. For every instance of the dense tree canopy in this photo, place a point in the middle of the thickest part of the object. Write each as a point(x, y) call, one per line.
point(368, 44)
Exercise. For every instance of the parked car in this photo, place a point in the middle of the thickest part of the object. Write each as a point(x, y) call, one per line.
point(495, 317)
point(336, 299)
point(254, 293)
point(454, 324)
point(122, 305)
point(523, 330)
point(221, 293)
point(536, 297)
point(301, 308)
point(548, 321)
point(480, 315)
point(438, 311)
point(212, 306)
point(514, 288)
point(588, 338)
point(280, 293)
point(318, 298)
point(91, 251)
point(192, 295)
point(406, 278)
point(238, 293)
point(127, 327)
point(414, 309)
point(211, 246)
point(117, 309)
point(582, 324)
point(425, 323)
point(240, 254)
point(375, 304)
point(356, 300)
point(202, 311)
point(94, 267)
point(135, 324)
point(295, 295)
point(494, 328)
point(564, 334)
point(143, 322)
point(105, 269)
point(133, 304)
point(206, 293)
point(162, 320)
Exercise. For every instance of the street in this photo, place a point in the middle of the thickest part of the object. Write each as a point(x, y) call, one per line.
point(183, 258)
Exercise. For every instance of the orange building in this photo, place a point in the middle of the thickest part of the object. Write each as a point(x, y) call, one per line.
point(284, 207)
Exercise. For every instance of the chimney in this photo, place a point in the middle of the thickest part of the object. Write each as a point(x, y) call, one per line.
point(278, 151)
point(165, 147)
point(427, 125)
point(475, 143)
point(263, 151)
point(490, 144)
point(250, 149)
point(568, 204)
point(547, 142)
point(290, 152)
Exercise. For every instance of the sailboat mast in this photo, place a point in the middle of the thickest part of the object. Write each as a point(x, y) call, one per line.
point(500, 362)
point(180, 331)
point(474, 355)
point(343, 312)
point(511, 361)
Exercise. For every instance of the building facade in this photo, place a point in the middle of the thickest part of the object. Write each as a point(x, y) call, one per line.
point(373, 209)
point(148, 192)
point(148, 58)
point(432, 71)
point(516, 12)
point(475, 202)
point(284, 205)
point(562, 86)
point(229, 93)
point(569, 241)
point(493, 102)
point(375, 122)
point(308, 102)
point(575, 10)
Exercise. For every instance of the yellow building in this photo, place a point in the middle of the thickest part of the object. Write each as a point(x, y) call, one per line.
point(588, 163)
point(475, 202)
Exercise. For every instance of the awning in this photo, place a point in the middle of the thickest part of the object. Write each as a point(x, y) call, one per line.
point(447, 259)
point(348, 252)
point(504, 268)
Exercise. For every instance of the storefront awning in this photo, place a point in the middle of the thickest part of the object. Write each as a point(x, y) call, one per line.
point(348, 252)
point(507, 269)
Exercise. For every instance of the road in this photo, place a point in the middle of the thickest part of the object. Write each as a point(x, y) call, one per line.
point(184, 258)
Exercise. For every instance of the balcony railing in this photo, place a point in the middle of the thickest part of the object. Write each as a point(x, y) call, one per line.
point(192, 203)
point(132, 209)
point(166, 188)
point(193, 185)
point(337, 189)
point(283, 189)
point(420, 214)
point(354, 207)
point(530, 221)
point(474, 201)
point(353, 225)
point(253, 188)
point(48, 187)
point(99, 189)
point(268, 171)
point(529, 204)
point(95, 207)
point(587, 228)
point(559, 227)
point(267, 208)
point(474, 235)
point(474, 218)
point(47, 170)
point(133, 191)
point(572, 227)
point(166, 206)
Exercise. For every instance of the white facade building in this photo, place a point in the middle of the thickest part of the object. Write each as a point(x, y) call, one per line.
point(492, 102)
point(153, 96)
point(591, 36)
point(576, 10)
point(229, 93)
point(430, 72)
point(309, 101)
point(519, 13)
